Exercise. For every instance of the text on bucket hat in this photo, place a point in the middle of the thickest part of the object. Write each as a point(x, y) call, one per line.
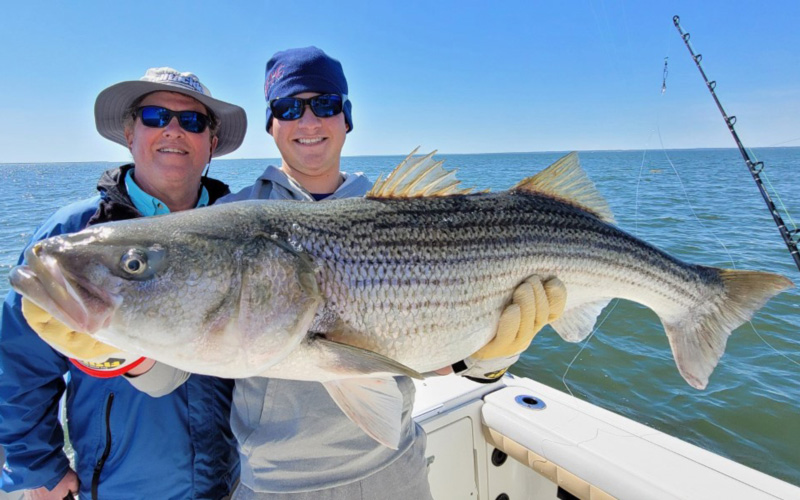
point(307, 69)
point(113, 102)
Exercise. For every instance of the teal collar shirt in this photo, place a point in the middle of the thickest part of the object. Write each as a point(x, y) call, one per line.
point(150, 205)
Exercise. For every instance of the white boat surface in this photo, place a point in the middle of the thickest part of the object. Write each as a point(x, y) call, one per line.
point(558, 446)
point(548, 445)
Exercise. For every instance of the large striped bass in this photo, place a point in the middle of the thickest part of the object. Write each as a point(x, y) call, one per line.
point(410, 279)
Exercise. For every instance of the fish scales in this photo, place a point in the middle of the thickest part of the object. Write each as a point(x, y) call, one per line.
point(447, 265)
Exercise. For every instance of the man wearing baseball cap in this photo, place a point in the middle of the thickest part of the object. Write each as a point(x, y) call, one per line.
point(128, 444)
point(294, 441)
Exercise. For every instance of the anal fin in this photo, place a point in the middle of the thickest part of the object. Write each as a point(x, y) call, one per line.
point(578, 322)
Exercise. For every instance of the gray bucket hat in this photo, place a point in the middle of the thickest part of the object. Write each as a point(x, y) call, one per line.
point(113, 102)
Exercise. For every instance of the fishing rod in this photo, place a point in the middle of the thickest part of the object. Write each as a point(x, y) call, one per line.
point(790, 236)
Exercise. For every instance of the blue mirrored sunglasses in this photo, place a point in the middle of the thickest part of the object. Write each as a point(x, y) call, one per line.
point(292, 108)
point(159, 117)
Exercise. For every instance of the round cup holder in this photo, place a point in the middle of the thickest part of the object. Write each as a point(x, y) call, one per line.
point(530, 402)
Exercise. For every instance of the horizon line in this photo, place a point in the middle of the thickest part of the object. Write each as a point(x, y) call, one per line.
point(437, 154)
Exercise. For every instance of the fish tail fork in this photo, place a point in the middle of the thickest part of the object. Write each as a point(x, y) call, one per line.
point(698, 337)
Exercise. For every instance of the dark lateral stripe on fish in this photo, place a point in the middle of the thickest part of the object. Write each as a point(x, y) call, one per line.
point(662, 285)
point(465, 237)
point(563, 248)
point(461, 237)
point(557, 231)
point(644, 260)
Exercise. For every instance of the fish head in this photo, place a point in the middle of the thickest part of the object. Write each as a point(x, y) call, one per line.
point(202, 300)
point(84, 300)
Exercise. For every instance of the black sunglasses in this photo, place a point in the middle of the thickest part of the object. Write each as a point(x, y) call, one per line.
point(292, 108)
point(159, 117)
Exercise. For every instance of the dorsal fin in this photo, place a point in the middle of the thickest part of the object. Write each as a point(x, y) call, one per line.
point(414, 178)
point(566, 180)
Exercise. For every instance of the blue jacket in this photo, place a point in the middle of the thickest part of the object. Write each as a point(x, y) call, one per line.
point(127, 444)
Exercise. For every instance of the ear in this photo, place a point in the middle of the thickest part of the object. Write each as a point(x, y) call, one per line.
point(214, 143)
point(129, 137)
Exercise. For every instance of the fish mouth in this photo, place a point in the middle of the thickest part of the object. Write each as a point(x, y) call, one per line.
point(77, 303)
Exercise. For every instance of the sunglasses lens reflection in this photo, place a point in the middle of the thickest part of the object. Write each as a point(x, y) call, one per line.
point(159, 117)
point(292, 108)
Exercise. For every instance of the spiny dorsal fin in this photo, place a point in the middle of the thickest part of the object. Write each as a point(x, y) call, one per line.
point(565, 179)
point(417, 177)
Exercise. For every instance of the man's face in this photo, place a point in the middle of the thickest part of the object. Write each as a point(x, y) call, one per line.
point(311, 146)
point(170, 155)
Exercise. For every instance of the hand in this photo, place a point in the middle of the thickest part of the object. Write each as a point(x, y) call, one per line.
point(534, 304)
point(69, 484)
point(86, 352)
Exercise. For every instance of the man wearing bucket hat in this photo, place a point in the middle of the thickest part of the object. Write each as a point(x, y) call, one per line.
point(128, 444)
point(294, 441)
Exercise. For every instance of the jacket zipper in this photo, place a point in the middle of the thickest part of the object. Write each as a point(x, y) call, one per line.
point(99, 467)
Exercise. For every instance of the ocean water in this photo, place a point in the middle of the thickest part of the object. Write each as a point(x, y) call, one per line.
point(699, 205)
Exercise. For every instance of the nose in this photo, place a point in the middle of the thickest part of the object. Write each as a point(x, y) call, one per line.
point(309, 119)
point(173, 128)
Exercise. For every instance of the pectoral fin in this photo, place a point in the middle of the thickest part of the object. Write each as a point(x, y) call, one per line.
point(375, 404)
point(361, 383)
point(349, 360)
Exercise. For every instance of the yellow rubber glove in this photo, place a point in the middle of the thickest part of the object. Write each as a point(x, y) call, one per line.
point(534, 304)
point(88, 354)
point(61, 337)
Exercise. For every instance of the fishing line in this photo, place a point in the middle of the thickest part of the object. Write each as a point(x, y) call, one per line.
point(665, 73)
point(758, 334)
point(728, 253)
point(610, 48)
point(584, 344)
point(784, 142)
point(775, 192)
point(755, 330)
point(615, 302)
point(790, 238)
point(606, 44)
point(669, 160)
point(638, 182)
point(730, 256)
point(757, 170)
point(689, 203)
point(657, 130)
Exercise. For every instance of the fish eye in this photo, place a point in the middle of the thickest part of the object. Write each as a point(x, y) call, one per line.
point(134, 262)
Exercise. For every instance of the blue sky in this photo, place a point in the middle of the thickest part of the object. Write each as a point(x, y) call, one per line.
point(460, 77)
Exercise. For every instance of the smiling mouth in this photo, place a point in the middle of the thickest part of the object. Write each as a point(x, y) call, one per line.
point(172, 151)
point(310, 141)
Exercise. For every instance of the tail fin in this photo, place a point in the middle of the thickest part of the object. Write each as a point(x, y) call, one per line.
point(698, 339)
